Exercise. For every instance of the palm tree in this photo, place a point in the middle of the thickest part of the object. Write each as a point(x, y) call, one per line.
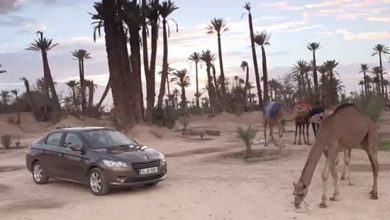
point(219, 25)
point(165, 9)
point(91, 91)
point(364, 69)
point(314, 46)
point(322, 70)
point(330, 65)
point(4, 97)
point(262, 39)
point(2, 71)
point(386, 84)
point(183, 80)
point(152, 14)
point(73, 85)
point(15, 92)
point(361, 83)
point(43, 45)
point(28, 91)
point(299, 71)
point(118, 61)
point(207, 57)
point(380, 49)
point(133, 17)
point(80, 55)
point(247, 7)
point(376, 70)
point(195, 57)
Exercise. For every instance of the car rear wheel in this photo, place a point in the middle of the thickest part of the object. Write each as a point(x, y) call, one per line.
point(97, 182)
point(38, 174)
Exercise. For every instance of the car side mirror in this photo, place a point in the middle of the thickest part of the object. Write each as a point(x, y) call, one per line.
point(77, 147)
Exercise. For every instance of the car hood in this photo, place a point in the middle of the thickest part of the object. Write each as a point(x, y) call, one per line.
point(130, 153)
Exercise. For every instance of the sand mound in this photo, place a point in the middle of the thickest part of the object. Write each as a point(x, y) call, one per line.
point(12, 130)
point(146, 133)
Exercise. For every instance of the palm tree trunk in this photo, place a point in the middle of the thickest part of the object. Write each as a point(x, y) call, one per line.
point(365, 82)
point(259, 93)
point(49, 80)
point(164, 73)
point(82, 85)
point(265, 74)
point(150, 87)
point(98, 106)
point(216, 83)
point(118, 76)
point(315, 76)
point(27, 85)
point(90, 95)
point(183, 98)
point(223, 88)
point(135, 58)
point(197, 86)
point(246, 88)
point(74, 98)
point(211, 90)
point(381, 79)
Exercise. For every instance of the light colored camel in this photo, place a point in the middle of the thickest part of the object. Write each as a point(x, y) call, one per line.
point(283, 114)
point(346, 171)
point(344, 129)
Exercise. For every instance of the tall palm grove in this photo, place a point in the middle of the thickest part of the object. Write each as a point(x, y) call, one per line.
point(131, 30)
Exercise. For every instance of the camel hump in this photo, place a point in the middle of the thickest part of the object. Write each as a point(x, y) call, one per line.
point(271, 109)
point(343, 106)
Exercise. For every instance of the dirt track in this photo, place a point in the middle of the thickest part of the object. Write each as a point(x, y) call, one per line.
point(203, 183)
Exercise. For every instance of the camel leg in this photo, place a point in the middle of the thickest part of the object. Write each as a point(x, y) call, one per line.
point(325, 174)
point(372, 151)
point(304, 133)
point(347, 167)
point(307, 133)
point(300, 132)
point(296, 131)
point(333, 172)
point(271, 133)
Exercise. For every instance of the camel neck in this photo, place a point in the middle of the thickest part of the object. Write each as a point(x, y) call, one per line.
point(311, 163)
point(289, 115)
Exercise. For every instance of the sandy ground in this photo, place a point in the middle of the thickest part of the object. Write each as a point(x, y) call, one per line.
point(203, 182)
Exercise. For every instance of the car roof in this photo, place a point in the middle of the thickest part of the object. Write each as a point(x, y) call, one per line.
point(76, 129)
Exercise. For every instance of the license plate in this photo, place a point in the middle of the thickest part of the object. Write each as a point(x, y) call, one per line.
point(150, 170)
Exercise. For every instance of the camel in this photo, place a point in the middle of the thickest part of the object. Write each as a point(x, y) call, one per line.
point(275, 114)
point(302, 128)
point(344, 129)
point(316, 120)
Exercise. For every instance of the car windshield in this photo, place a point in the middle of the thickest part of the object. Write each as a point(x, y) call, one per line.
point(106, 138)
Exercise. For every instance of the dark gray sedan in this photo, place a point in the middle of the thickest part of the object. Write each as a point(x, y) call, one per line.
point(99, 157)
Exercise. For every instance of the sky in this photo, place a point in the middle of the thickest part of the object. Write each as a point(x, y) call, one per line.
point(347, 30)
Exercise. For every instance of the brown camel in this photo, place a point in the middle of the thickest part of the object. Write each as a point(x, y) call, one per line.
point(345, 128)
point(346, 173)
point(277, 117)
point(302, 128)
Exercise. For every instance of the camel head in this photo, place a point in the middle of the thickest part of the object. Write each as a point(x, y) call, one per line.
point(300, 192)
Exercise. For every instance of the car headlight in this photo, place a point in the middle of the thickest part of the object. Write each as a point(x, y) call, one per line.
point(115, 164)
point(163, 160)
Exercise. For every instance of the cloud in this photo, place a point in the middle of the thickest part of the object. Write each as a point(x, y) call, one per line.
point(379, 18)
point(363, 35)
point(7, 6)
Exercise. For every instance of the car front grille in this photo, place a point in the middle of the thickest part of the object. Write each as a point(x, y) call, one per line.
point(143, 165)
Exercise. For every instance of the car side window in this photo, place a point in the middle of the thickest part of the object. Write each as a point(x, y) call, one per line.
point(72, 139)
point(54, 139)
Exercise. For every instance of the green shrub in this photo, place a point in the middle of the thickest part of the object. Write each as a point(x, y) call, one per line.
point(6, 140)
point(371, 105)
point(247, 135)
point(384, 145)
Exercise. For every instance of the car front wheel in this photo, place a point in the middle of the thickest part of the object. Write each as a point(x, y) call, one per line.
point(97, 182)
point(38, 174)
